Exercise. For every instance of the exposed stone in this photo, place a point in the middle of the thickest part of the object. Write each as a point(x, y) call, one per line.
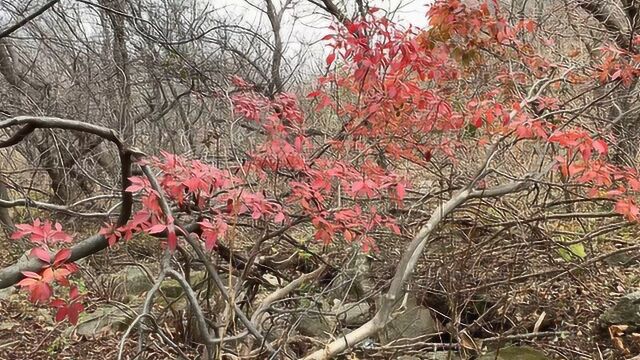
point(106, 319)
point(623, 260)
point(134, 280)
point(415, 321)
point(515, 353)
point(354, 282)
point(433, 355)
point(353, 314)
point(8, 292)
point(317, 325)
point(172, 288)
point(625, 312)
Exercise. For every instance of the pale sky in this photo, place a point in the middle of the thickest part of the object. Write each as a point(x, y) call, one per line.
point(304, 25)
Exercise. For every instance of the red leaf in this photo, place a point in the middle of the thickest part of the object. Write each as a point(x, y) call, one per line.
point(157, 228)
point(357, 186)
point(331, 58)
point(62, 256)
point(400, 190)
point(628, 208)
point(42, 232)
point(61, 314)
point(110, 233)
point(279, 218)
point(40, 292)
point(238, 81)
point(172, 239)
point(48, 275)
point(41, 254)
point(348, 235)
point(60, 275)
point(59, 235)
point(56, 303)
point(393, 227)
point(634, 183)
point(31, 274)
point(27, 282)
point(74, 311)
point(23, 230)
point(74, 293)
point(137, 184)
point(601, 146)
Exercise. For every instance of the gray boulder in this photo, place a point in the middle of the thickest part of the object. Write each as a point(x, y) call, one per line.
point(354, 282)
point(432, 355)
point(623, 260)
point(133, 280)
point(317, 325)
point(415, 321)
point(106, 319)
point(353, 314)
point(625, 312)
point(6, 294)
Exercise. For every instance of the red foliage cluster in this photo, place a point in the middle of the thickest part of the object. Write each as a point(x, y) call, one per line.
point(56, 270)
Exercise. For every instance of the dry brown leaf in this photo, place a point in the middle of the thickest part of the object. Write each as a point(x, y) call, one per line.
point(468, 342)
point(618, 344)
point(617, 330)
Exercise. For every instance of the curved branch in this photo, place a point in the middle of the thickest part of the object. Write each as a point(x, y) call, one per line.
point(12, 274)
point(407, 265)
point(47, 206)
point(257, 317)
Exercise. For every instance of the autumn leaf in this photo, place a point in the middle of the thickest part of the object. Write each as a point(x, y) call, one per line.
point(41, 254)
point(331, 58)
point(61, 256)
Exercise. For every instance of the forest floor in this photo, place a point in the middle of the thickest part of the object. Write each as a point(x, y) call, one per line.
point(565, 307)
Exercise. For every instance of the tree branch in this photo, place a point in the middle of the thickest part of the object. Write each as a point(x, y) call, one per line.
point(24, 21)
point(12, 274)
point(405, 268)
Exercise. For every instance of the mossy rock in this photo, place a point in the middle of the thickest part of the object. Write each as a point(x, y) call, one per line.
point(134, 280)
point(414, 321)
point(172, 288)
point(625, 312)
point(106, 319)
point(317, 325)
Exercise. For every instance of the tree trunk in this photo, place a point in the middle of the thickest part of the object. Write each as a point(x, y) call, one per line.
point(5, 217)
point(122, 103)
